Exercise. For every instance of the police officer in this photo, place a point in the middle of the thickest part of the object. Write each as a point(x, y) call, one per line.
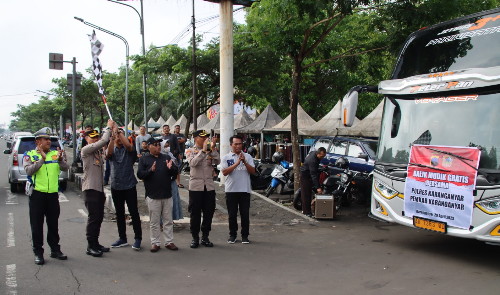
point(43, 167)
point(201, 157)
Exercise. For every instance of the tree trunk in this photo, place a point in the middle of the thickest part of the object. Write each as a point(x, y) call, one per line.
point(294, 101)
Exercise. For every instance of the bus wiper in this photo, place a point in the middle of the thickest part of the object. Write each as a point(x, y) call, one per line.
point(430, 167)
point(461, 158)
point(394, 166)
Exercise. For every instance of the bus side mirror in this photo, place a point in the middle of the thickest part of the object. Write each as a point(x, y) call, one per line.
point(349, 107)
point(350, 103)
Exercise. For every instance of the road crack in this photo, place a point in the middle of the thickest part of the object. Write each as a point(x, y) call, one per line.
point(76, 280)
point(36, 274)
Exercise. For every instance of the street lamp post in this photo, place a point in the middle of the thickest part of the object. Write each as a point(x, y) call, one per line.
point(126, 62)
point(141, 18)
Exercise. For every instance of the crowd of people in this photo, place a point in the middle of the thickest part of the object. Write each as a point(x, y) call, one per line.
point(159, 161)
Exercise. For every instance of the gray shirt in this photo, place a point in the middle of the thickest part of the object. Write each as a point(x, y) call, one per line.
point(237, 181)
point(122, 168)
point(139, 139)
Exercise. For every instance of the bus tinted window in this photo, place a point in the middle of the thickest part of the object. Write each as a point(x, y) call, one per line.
point(469, 43)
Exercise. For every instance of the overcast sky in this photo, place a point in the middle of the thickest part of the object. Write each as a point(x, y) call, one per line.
point(30, 29)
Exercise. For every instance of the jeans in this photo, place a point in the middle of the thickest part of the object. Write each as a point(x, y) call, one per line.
point(44, 206)
point(201, 201)
point(129, 196)
point(233, 202)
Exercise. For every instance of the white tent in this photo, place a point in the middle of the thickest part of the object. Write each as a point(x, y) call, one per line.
point(161, 121)
point(369, 126)
point(328, 125)
point(171, 122)
point(200, 122)
point(182, 122)
point(267, 119)
point(242, 119)
point(303, 120)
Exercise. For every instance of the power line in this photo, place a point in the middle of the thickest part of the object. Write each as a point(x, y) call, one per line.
point(6, 95)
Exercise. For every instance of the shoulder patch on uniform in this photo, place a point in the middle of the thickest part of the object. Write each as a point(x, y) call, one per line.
point(26, 158)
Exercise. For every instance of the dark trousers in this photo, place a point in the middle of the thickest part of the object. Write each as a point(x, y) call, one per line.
point(107, 172)
point(129, 196)
point(233, 201)
point(94, 202)
point(201, 201)
point(44, 206)
point(306, 193)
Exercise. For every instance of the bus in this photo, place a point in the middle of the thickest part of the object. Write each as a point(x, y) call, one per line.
point(444, 91)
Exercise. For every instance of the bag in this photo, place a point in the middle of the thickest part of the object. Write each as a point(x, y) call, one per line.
point(28, 188)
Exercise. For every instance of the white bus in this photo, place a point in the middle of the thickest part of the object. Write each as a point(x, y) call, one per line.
point(444, 90)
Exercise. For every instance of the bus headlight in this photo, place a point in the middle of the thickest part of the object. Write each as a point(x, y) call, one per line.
point(385, 190)
point(489, 206)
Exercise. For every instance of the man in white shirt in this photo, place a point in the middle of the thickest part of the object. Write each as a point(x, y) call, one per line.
point(237, 167)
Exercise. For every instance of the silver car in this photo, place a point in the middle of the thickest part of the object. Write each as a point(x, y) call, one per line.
point(17, 175)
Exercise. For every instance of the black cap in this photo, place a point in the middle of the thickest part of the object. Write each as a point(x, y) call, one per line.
point(92, 133)
point(153, 140)
point(200, 133)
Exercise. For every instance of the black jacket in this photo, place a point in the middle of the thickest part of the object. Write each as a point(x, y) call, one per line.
point(310, 169)
point(157, 183)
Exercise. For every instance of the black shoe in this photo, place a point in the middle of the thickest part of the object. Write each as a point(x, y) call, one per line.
point(59, 255)
point(206, 242)
point(102, 248)
point(39, 259)
point(195, 244)
point(94, 252)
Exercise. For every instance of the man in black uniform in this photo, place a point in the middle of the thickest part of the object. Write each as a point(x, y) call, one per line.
point(309, 178)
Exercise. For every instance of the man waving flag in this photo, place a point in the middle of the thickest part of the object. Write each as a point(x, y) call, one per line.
point(96, 48)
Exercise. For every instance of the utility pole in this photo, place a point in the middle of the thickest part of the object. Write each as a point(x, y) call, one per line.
point(195, 117)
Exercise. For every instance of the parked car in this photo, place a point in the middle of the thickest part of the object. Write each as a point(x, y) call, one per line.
point(17, 175)
point(360, 152)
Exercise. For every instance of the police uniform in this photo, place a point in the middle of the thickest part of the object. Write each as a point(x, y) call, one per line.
point(43, 174)
point(201, 190)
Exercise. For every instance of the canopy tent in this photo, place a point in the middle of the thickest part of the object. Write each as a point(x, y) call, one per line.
point(242, 119)
point(181, 122)
point(161, 121)
point(200, 122)
point(267, 119)
point(171, 122)
point(328, 125)
point(214, 124)
point(134, 128)
point(303, 120)
point(369, 126)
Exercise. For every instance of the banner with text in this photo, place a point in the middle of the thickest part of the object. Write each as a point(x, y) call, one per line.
point(440, 183)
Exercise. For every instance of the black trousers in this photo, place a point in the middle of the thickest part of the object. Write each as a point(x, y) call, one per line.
point(201, 202)
point(129, 196)
point(44, 206)
point(233, 202)
point(306, 193)
point(94, 202)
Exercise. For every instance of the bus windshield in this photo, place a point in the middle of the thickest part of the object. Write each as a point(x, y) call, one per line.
point(472, 121)
point(465, 44)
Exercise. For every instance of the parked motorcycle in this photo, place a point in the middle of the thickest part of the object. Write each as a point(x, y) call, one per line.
point(327, 180)
point(344, 187)
point(262, 177)
point(282, 176)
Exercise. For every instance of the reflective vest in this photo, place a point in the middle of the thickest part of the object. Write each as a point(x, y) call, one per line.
point(46, 179)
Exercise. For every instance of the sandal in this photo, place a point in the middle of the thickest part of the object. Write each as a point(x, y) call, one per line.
point(180, 185)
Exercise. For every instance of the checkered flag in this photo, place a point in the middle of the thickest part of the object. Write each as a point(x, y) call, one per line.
point(96, 48)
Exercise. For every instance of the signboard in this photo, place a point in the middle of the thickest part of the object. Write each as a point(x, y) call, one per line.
point(439, 186)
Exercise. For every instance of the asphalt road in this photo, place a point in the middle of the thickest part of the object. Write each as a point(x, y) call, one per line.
point(351, 255)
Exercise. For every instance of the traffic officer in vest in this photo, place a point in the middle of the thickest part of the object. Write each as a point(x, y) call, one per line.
point(43, 166)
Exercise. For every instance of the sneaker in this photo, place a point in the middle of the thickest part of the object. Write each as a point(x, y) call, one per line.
point(245, 240)
point(137, 245)
point(231, 240)
point(119, 243)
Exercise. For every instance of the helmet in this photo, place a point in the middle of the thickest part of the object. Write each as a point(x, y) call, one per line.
point(342, 163)
point(278, 157)
point(252, 151)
